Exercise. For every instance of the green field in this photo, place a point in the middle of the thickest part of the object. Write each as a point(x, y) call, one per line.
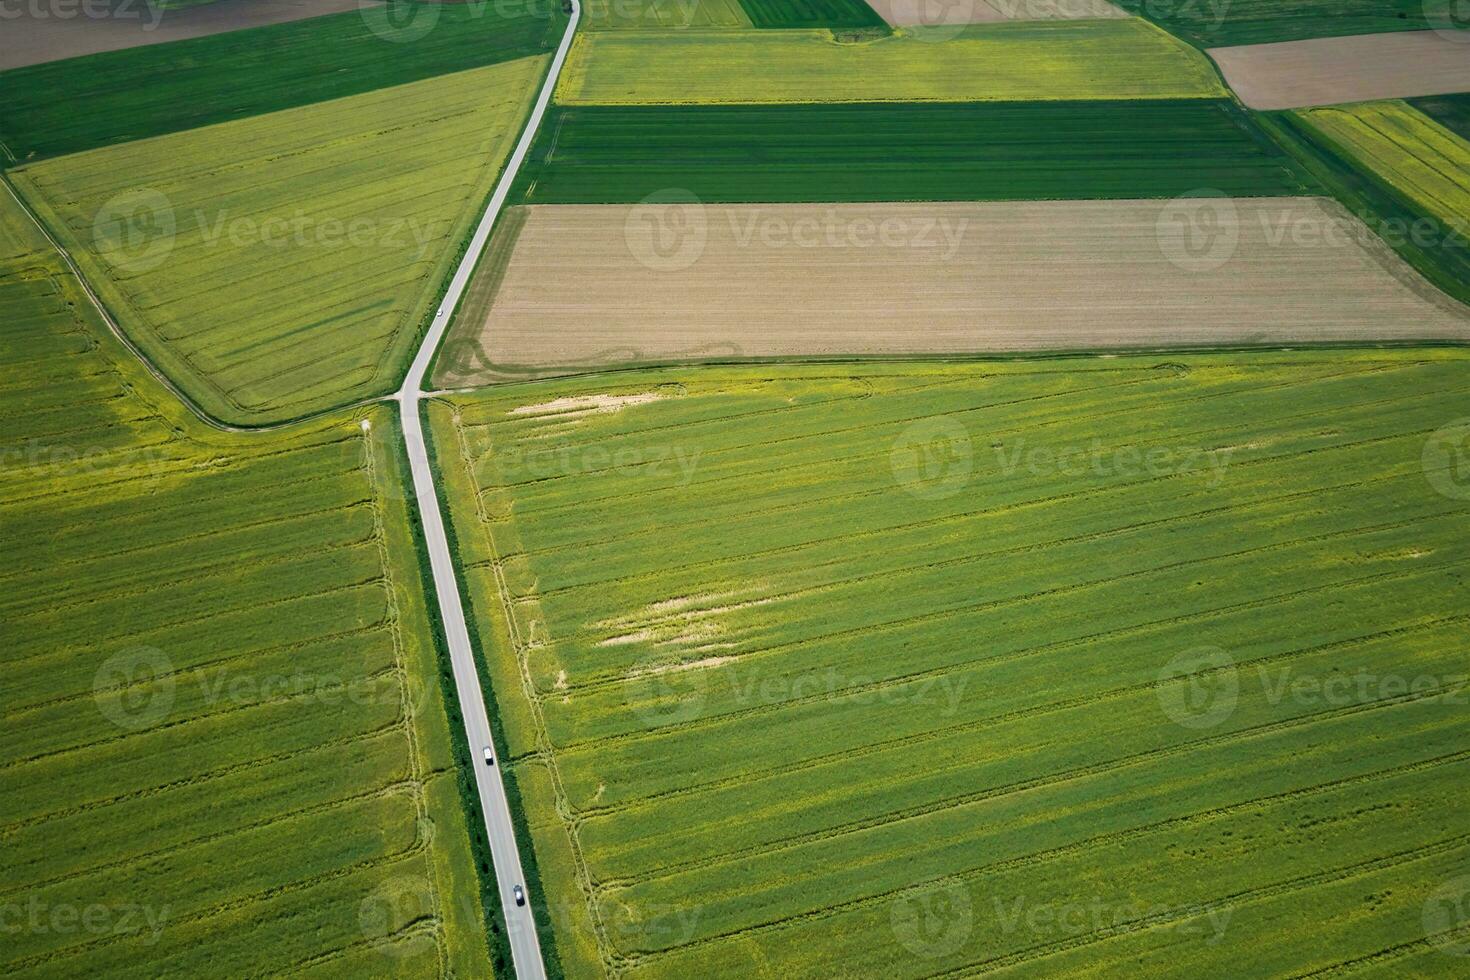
point(797, 14)
point(156, 89)
point(618, 15)
point(623, 15)
point(885, 152)
point(289, 260)
point(1051, 61)
point(1437, 246)
point(1450, 111)
point(226, 748)
point(790, 654)
point(1218, 23)
point(1420, 159)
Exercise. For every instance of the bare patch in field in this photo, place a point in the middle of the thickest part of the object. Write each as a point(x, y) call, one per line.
point(580, 405)
point(891, 279)
point(938, 13)
point(1333, 70)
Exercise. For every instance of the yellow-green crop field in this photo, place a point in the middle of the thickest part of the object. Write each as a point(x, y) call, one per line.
point(284, 264)
point(1407, 150)
point(621, 15)
point(225, 749)
point(1130, 666)
point(1057, 60)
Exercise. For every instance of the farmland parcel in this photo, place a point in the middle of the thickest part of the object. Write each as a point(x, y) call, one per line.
point(1114, 59)
point(229, 77)
point(930, 13)
point(1211, 23)
point(287, 261)
point(35, 33)
point(662, 282)
point(1414, 155)
point(1327, 71)
point(911, 669)
point(916, 151)
point(226, 750)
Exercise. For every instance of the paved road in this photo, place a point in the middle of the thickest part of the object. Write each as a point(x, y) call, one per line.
point(520, 923)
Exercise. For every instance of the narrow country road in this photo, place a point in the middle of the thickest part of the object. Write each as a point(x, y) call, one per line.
point(520, 921)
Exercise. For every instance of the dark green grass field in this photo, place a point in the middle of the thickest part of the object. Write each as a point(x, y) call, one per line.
point(1450, 111)
point(127, 95)
point(944, 151)
point(788, 14)
point(1438, 251)
point(1219, 23)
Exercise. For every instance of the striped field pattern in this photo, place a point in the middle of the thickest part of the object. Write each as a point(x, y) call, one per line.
point(225, 748)
point(1091, 666)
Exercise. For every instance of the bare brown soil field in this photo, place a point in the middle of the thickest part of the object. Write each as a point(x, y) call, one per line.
point(38, 31)
point(932, 13)
point(568, 288)
point(1334, 70)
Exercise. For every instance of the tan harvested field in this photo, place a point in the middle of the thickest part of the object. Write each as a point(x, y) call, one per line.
point(38, 31)
point(930, 13)
point(578, 287)
point(1334, 70)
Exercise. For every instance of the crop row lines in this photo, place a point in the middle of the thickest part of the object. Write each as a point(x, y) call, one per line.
point(229, 707)
point(196, 779)
point(395, 788)
point(263, 605)
point(201, 575)
point(1062, 417)
point(541, 735)
point(1288, 886)
point(950, 520)
point(77, 566)
point(419, 845)
point(183, 466)
point(876, 454)
point(1012, 600)
point(1269, 891)
point(1054, 779)
point(761, 515)
point(877, 577)
point(408, 713)
point(983, 723)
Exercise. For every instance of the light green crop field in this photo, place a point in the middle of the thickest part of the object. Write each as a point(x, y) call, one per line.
point(1102, 666)
point(225, 748)
point(619, 15)
point(1068, 60)
point(1408, 151)
point(285, 264)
